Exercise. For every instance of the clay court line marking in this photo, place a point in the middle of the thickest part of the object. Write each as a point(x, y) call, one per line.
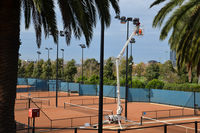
point(185, 119)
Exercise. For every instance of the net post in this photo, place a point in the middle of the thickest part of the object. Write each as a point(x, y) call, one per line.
point(71, 122)
point(165, 128)
point(141, 121)
point(75, 130)
point(90, 120)
point(156, 114)
point(51, 123)
point(196, 127)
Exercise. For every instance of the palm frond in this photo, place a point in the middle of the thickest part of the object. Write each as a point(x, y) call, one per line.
point(156, 2)
point(159, 18)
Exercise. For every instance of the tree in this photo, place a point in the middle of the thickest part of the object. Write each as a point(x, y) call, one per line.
point(37, 72)
point(185, 27)
point(140, 69)
point(108, 69)
point(47, 70)
point(59, 69)
point(70, 70)
point(91, 67)
point(21, 69)
point(29, 69)
point(167, 72)
point(79, 17)
point(152, 71)
point(122, 67)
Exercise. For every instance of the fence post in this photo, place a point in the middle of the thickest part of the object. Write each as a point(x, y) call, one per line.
point(33, 129)
point(118, 131)
point(79, 88)
point(165, 128)
point(75, 130)
point(149, 95)
point(195, 103)
point(29, 106)
point(68, 89)
point(51, 124)
point(196, 128)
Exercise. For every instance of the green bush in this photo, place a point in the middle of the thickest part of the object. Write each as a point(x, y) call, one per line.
point(109, 82)
point(155, 84)
point(137, 84)
point(182, 87)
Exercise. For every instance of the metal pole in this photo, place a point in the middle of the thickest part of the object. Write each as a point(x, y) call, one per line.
point(48, 54)
point(57, 78)
point(101, 78)
point(82, 65)
point(131, 65)
point(165, 128)
point(195, 103)
point(63, 63)
point(196, 127)
point(126, 92)
point(33, 129)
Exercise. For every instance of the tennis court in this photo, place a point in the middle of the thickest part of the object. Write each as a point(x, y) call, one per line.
point(65, 116)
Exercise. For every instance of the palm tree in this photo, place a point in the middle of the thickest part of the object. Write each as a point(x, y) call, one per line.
point(184, 23)
point(79, 17)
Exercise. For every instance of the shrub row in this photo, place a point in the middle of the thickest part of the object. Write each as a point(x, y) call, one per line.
point(157, 84)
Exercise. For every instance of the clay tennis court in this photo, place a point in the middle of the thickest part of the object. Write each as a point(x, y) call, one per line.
point(60, 117)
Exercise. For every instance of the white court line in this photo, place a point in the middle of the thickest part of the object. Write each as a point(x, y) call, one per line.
point(185, 119)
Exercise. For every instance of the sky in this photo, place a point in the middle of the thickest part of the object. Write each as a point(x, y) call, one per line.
point(147, 47)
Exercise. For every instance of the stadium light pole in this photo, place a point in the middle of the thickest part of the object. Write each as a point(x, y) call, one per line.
point(39, 53)
point(57, 76)
point(82, 46)
point(100, 119)
point(48, 49)
point(62, 34)
point(62, 62)
point(132, 41)
point(125, 20)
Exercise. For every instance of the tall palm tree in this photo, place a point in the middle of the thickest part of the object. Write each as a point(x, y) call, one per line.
point(79, 17)
point(185, 27)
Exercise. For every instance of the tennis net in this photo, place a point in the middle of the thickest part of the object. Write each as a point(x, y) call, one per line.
point(172, 125)
point(85, 109)
point(36, 100)
point(169, 113)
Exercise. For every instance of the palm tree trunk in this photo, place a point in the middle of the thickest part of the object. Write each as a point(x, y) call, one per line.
point(189, 73)
point(9, 47)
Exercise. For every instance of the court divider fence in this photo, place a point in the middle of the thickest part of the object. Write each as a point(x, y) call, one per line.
point(163, 128)
point(169, 97)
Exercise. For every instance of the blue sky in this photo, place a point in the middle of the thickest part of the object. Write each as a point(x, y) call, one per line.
point(147, 47)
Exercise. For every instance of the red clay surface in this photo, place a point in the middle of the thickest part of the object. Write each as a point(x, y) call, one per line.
point(50, 116)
